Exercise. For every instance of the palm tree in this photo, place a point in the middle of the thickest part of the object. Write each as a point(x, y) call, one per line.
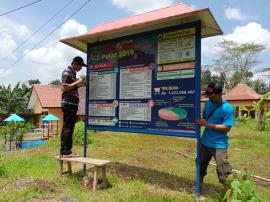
point(13, 99)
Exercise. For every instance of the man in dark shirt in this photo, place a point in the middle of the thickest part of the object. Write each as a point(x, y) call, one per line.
point(69, 104)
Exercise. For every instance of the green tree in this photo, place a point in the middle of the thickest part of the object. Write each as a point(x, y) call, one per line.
point(260, 87)
point(236, 60)
point(56, 82)
point(27, 86)
point(31, 82)
point(13, 99)
point(207, 77)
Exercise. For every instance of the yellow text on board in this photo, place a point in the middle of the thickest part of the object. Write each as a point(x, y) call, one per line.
point(177, 34)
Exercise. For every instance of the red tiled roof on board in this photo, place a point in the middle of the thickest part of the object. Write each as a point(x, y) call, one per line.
point(170, 11)
point(153, 20)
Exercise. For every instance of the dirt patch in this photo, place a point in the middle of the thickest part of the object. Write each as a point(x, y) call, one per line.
point(138, 160)
point(44, 185)
point(43, 200)
point(157, 178)
point(39, 185)
point(261, 182)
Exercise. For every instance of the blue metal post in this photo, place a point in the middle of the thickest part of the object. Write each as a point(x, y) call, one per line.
point(86, 112)
point(198, 104)
point(85, 145)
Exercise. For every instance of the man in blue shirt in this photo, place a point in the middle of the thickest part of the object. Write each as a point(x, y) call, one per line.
point(218, 118)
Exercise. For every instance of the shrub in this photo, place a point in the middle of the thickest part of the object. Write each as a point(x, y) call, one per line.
point(78, 134)
point(3, 171)
point(16, 131)
point(243, 118)
point(242, 188)
point(267, 114)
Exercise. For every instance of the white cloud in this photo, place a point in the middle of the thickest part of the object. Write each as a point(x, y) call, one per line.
point(55, 51)
point(209, 48)
point(7, 43)
point(71, 28)
point(234, 14)
point(11, 34)
point(252, 32)
point(140, 6)
point(4, 78)
point(48, 61)
point(45, 62)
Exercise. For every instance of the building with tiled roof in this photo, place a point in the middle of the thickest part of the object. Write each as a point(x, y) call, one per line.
point(241, 97)
point(241, 92)
point(46, 99)
point(47, 96)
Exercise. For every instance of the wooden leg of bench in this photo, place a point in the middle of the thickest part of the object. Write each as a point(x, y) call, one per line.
point(101, 177)
point(69, 167)
point(104, 179)
point(95, 178)
point(61, 167)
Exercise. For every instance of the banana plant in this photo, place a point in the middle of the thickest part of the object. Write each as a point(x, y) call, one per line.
point(261, 111)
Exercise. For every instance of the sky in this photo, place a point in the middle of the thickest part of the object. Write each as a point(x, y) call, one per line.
point(240, 21)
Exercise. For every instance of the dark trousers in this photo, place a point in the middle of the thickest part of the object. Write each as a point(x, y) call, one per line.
point(221, 157)
point(69, 120)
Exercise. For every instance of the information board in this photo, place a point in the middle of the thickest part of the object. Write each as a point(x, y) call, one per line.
point(143, 83)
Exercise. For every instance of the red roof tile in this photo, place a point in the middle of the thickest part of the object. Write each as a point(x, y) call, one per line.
point(48, 95)
point(153, 20)
point(158, 14)
point(241, 92)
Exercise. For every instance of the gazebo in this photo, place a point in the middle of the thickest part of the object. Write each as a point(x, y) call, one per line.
point(243, 96)
point(50, 118)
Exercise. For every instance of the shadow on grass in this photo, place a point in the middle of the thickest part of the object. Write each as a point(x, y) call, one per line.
point(162, 179)
point(154, 177)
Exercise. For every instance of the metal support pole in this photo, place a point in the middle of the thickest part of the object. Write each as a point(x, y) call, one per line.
point(198, 104)
point(85, 146)
point(57, 128)
point(86, 113)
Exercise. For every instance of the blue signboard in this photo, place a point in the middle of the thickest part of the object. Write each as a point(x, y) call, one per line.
point(146, 83)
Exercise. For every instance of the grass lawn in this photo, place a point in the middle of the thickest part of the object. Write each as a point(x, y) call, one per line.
point(143, 168)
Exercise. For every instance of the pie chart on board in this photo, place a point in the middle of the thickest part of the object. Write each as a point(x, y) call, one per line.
point(172, 113)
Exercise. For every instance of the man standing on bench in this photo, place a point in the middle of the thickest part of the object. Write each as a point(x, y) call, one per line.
point(69, 104)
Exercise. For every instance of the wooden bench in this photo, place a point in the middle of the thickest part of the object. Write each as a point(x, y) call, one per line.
point(99, 169)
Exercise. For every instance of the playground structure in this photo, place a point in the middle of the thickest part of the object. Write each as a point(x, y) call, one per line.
point(48, 126)
point(33, 138)
point(11, 141)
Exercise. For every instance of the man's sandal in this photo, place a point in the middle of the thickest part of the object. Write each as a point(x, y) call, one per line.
point(72, 155)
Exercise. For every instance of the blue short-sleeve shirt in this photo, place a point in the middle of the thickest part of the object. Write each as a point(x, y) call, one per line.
point(224, 115)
